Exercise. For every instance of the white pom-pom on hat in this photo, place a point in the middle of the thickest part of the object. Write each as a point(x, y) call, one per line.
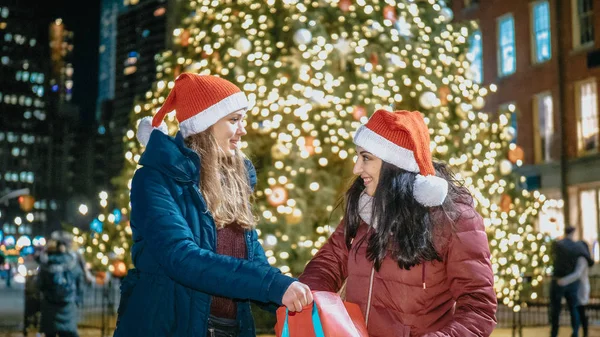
point(145, 129)
point(430, 190)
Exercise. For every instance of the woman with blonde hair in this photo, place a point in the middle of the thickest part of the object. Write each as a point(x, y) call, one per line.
point(196, 252)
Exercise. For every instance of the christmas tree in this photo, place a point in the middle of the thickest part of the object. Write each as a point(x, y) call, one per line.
point(313, 72)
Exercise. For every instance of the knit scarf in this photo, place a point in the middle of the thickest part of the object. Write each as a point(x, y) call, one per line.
point(365, 209)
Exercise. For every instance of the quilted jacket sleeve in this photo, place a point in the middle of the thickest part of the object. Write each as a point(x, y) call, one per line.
point(158, 218)
point(328, 269)
point(471, 279)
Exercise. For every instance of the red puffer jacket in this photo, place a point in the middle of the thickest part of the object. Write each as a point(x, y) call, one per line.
point(450, 298)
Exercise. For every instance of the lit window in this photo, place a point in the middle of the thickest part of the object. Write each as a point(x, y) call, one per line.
point(583, 22)
point(32, 42)
point(474, 55)
point(40, 78)
point(25, 76)
point(543, 109)
point(542, 43)
point(5, 60)
point(587, 116)
point(588, 207)
point(4, 12)
point(160, 11)
point(30, 177)
point(8, 37)
point(18, 75)
point(15, 151)
point(506, 46)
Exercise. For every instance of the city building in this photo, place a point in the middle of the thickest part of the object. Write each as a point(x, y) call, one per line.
point(142, 32)
point(544, 57)
point(25, 115)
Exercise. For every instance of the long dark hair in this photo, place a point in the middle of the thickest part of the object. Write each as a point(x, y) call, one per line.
point(405, 229)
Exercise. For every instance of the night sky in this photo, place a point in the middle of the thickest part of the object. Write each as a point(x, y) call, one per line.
point(81, 17)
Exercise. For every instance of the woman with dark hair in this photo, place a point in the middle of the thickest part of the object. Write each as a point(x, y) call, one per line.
point(412, 250)
point(195, 248)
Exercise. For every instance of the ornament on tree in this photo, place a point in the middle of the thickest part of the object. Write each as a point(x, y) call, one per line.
point(510, 133)
point(185, 38)
point(463, 109)
point(278, 196)
point(403, 27)
point(303, 36)
point(345, 5)
point(389, 13)
point(506, 167)
point(444, 92)
point(446, 14)
point(374, 59)
point(478, 103)
point(243, 45)
point(396, 60)
point(278, 151)
point(119, 269)
point(505, 203)
point(515, 154)
point(309, 145)
point(429, 100)
point(359, 112)
point(270, 241)
point(294, 218)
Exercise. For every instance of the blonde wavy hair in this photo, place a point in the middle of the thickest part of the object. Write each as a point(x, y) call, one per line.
point(223, 182)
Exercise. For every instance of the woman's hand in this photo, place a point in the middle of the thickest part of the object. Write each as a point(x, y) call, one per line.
point(297, 296)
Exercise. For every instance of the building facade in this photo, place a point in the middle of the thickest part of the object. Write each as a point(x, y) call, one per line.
point(142, 32)
point(542, 55)
point(25, 132)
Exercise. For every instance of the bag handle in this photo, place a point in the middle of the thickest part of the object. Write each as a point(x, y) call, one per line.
point(316, 320)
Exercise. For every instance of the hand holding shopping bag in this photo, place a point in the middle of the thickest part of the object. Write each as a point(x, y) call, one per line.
point(328, 316)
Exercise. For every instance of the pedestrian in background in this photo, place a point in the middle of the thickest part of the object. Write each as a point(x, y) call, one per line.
point(60, 283)
point(566, 253)
point(580, 274)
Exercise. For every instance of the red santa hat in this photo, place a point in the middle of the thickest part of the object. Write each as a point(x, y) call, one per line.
point(199, 102)
point(401, 138)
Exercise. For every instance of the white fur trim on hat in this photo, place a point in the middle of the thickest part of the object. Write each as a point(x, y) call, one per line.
point(205, 119)
point(430, 190)
point(145, 129)
point(385, 150)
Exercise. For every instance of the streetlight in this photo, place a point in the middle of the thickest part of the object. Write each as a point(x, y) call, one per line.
point(83, 209)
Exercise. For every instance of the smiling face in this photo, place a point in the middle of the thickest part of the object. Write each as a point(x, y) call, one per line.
point(368, 167)
point(228, 132)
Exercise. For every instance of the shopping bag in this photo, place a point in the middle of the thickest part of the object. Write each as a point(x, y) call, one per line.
point(328, 316)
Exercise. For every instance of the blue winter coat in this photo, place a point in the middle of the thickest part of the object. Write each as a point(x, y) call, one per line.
point(176, 268)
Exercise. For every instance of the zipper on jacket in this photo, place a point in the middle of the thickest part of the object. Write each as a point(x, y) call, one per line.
point(423, 275)
point(370, 296)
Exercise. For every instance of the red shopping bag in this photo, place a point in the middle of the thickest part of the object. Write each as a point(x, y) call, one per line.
point(328, 316)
